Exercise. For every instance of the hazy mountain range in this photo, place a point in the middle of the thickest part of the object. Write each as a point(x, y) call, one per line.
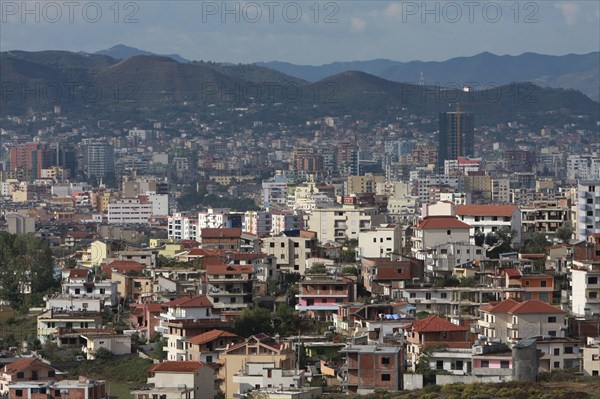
point(151, 83)
point(572, 71)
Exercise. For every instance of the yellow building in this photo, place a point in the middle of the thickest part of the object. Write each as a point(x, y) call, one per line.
point(258, 348)
point(95, 253)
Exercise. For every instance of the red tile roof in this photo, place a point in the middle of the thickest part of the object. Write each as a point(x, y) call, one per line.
point(435, 324)
point(234, 232)
point(442, 222)
point(78, 273)
point(176, 367)
point(210, 336)
point(486, 210)
point(512, 272)
point(500, 307)
point(198, 301)
point(24, 364)
point(123, 267)
point(534, 306)
point(228, 269)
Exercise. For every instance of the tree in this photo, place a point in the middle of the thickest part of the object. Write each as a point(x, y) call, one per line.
point(253, 321)
point(25, 263)
point(287, 321)
point(499, 242)
point(565, 232)
point(536, 245)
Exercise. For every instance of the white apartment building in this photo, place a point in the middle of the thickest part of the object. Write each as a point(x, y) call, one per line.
point(257, 375)
point(488, 219)
point(129, 211)
point(275, 192)
point(379, 242)
point(583, 167)
point(290, 252)
point(341, 224)
point(588, 208)
point(585, 290)
point(433, 231)
point(283, 221)
point(259, 223)
point(181, 227)
point(106, 291)
point(160, 204)
point(215, 218)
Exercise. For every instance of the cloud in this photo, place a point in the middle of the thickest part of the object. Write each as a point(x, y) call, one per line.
point(393, 10)
point(358, 24)
point(570, 12)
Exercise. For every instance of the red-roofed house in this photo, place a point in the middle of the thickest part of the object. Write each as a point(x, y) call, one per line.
point(259, 348)
point(435, 230)
point(123, 267)
point(532, 285)
point(26, 369)
point(511, 321)
point(207, 347)
point(227, 238)
point(186, 317)
point(490, 218)
point(178, 380)
point(382, 276)
point(435, 330)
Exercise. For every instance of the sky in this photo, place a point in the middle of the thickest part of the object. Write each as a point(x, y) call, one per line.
point(305, 31)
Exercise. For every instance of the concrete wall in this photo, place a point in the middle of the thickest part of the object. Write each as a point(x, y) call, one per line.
point(415, 381)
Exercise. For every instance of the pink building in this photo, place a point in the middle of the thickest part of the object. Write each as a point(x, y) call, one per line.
point(320, 295)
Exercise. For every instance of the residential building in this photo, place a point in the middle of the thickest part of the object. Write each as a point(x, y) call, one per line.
point(588, 208)
point(489, 218)
point(436, 230)
point(25, 370)
point(81, 388)
point(65, 325)
point(379, 242)
point(130, 210)
point(258, 348)
point(591, 357)
point(545, 217)
point(530, 284)
point(373, 366)
point(342, 224)
point(98, 159)
point(229, 287)
point(118, 344)
point(320, 295)
point(181, 227)
point(384, 276)
point(456, 136)
point(207, 346)
point(257, 375)
point(585, 290)
point(291, 249)
point(224, 238)
point(510, 321)
point(184, 318)
point(435, 330)
point(178, 380)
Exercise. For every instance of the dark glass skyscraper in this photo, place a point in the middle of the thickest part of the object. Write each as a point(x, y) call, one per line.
point(456, 136)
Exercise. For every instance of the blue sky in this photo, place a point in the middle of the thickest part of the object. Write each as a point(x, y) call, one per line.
point(304, 32)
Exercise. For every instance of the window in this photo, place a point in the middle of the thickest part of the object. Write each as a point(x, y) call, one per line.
point(543, 283)
point(20, 374)
point(568, 349)
point(556, 365)
point(271, 245)
point(51, 373)
point(19, 393)
point(459, 365)
point(413, 295)
point(448, 232)
point(485, 364)
point(282, 245)
point(385, 377)
point(57, 392)
point(385, 360)
point(428, 295)
point(527, 282)
point(551, 319)
point(439, 365)
point(556, 351)
point(552, 333)
point(296, 245)
point(592, 280)
point(443, 295)
point(504, 364)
